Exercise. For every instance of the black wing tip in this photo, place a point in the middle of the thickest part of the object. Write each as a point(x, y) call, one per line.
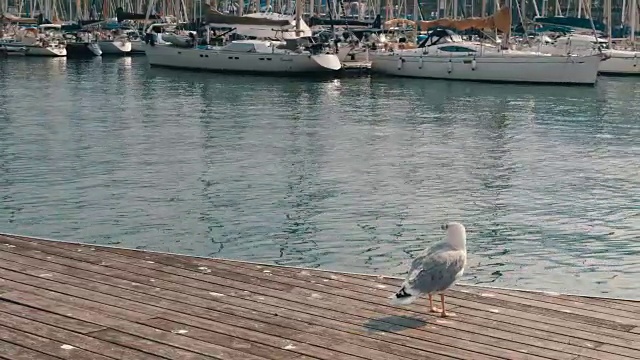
point(402, 294)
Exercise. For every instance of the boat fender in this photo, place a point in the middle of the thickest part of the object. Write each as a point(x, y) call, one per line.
point(635, 59)
point(420, 62)
point(400, 61)
point(473, 64)
point(450, 68)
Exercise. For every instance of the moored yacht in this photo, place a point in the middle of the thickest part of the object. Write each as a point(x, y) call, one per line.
point(444, 55)
point(620, 62)
point(292, 54)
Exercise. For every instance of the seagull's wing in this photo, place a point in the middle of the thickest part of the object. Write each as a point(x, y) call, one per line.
point(436, 269)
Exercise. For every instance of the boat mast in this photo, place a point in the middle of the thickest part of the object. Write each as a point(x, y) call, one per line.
point(608, 9)
point(633, 21)
point(298, 16)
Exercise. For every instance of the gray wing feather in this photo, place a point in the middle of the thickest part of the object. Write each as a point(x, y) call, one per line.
point(436, 269)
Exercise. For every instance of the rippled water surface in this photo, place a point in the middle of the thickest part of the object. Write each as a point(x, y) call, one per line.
point(353, 174)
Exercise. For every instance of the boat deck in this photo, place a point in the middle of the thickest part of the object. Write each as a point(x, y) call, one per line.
point(62, 300)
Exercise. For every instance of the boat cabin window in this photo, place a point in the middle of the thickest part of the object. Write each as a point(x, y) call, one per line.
point(241, 47)
point(456, 48)
point(440, 36)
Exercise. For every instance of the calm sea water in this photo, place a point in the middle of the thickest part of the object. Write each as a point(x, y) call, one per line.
point(354, 174)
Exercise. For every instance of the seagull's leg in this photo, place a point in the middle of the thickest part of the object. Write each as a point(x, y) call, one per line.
point(444, 313)
point(431, 307)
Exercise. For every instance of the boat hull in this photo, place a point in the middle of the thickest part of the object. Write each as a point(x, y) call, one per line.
point(212, 60)
point(12, 51)
point(116, 47)
point(52, 51)
point(83, 49)
point(517, 69)
point(621, 63)
point(137, 47)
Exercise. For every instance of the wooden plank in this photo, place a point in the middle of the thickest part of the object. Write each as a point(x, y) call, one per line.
point(56, 332)
point(606, 303)
point(383, 343)
point(631, 353)
point(574, 350)
point(131, 328)
point(437, 347)
point(142, 344)
point(232, 342)
point(395, 282)
point(446, 334)
point(175, 295)
point(263, 344)
point(46, 346)
point(589, 351)
point(11, 351)
point(505, 342)
point(64, 322)
point(176, 341)
point(567, 305)
point(272, 285)
point(62, 309)
point(234, 304)
point(465, 293)
point(71, 299)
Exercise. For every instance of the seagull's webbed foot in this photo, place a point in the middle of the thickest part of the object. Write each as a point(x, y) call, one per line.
point(432, 308)
point(444, 313)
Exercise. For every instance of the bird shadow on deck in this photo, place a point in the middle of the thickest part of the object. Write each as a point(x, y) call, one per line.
point(393, 323)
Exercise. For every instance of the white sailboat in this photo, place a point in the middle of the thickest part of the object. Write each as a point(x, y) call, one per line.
point(292, 54)
point(46, 40)
point(120, 45)
point(618, 61)
point(444, 55)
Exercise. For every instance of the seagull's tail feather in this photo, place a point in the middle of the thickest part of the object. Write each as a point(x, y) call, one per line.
point(405, 296)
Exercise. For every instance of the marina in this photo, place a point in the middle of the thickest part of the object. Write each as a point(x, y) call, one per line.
point(63, 300)
point(268, 180)
point(513, 43)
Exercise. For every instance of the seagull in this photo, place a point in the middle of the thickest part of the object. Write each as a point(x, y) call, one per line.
point(435, 269)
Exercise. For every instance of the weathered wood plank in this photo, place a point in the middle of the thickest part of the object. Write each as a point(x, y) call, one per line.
point(162, 350)
point(76, 301)
point(46, 346)
point(474, 339)
point(506, 336)
point(606, 303)
point(467, 293)
point(11, 351)
point(64, 322)
point(56, 331)
point(131, 328)
point(230, 309)
point(264, 345)
point(573, 350)
point(569, 305)
point(200, 302)
point(631, 353)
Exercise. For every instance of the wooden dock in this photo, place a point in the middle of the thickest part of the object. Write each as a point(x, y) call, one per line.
point(62, 300)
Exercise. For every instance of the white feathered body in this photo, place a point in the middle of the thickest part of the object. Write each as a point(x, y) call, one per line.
point(433, 271)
